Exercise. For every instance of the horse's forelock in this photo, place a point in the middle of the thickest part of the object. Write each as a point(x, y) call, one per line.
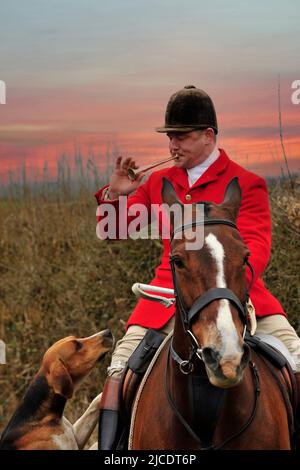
point(212, 210)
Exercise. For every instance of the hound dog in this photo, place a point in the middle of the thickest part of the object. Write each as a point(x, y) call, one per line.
point(38, 423)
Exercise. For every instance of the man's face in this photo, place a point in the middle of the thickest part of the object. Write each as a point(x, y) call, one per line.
point(192, 148)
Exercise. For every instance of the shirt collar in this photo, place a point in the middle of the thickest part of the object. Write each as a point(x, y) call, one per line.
point(197, 171)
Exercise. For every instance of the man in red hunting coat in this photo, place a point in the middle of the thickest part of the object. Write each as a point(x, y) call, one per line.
point(201, 172)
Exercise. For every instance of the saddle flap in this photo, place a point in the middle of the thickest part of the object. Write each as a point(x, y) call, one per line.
point(138, 364)
point(271, 349)
point(142, 355)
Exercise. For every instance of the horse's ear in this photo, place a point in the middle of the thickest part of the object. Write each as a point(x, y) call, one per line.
point(169, 197)
point(232, 198)
point(168, 193)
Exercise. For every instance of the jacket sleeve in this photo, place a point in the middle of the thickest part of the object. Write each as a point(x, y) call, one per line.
point(117, 217)
point(254, 223)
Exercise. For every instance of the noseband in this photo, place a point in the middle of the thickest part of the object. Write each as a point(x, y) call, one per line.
point(205, 299)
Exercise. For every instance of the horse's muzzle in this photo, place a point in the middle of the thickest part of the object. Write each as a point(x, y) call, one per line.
point(225, 371)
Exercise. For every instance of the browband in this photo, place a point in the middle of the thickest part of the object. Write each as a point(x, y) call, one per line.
point(204, 222)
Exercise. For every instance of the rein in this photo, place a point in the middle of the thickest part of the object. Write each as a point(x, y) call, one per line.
point(189, 428)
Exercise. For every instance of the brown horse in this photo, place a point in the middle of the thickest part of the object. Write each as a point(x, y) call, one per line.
point(207, 390)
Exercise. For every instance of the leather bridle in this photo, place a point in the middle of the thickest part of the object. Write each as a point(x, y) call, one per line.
point(187, 315)
point(217, 293)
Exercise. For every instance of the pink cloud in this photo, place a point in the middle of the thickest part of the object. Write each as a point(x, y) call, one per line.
point(39, 125)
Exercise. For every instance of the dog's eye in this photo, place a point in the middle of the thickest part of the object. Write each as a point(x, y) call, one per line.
point(78, 344)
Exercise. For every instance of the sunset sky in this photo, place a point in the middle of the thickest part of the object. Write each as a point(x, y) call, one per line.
point(88, 76)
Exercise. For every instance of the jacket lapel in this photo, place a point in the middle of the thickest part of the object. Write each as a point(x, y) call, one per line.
point(180, 177)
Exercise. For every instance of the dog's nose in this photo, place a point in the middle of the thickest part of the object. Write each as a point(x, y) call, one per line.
point(107, 333)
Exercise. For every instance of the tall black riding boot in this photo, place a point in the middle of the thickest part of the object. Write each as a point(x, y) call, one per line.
point(110, 425)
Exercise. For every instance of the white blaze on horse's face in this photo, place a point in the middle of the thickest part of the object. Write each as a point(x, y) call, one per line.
point(227, 340)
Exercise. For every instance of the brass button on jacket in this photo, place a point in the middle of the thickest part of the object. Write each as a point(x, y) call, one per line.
point(188, 197)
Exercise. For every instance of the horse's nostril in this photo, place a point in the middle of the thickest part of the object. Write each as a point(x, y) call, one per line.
point(210, 355)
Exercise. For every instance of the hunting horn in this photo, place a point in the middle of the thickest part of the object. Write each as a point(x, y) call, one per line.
point(133, 173)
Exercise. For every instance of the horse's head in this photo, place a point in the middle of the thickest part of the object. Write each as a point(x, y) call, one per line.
point(204, 275)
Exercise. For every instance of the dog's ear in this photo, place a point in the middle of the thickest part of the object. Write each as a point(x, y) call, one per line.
point(60, 379)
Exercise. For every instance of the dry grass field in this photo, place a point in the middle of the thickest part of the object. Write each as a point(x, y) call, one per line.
point(57, 278)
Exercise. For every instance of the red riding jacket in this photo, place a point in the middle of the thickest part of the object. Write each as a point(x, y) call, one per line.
point(254, 223)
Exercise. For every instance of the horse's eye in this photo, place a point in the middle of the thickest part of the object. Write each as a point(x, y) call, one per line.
point(78, 344)
point(178, 262)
